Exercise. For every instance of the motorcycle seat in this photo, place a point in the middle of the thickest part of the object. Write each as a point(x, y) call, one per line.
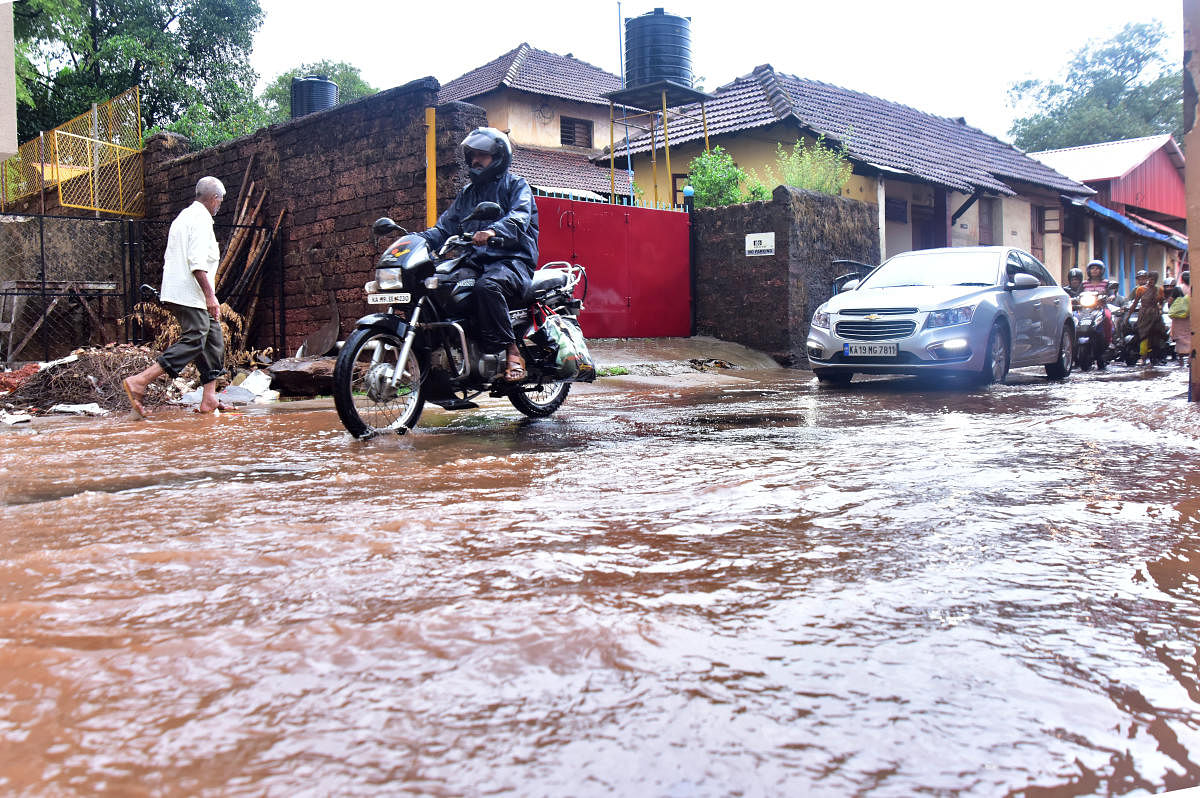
point(546, 280)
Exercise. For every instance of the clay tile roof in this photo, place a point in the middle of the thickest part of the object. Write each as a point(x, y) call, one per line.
point(536, 71)
point(557, 169)
point(886, 135)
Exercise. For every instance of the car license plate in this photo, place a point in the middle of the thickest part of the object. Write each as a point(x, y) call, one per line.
point(869, 350)
point(389, 299)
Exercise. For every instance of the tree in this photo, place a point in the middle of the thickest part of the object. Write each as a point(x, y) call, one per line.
point(1123, 88)
point(182, 53)
point(815, 167)
point(277, 96)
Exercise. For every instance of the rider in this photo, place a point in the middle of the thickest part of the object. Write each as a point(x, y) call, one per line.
point(1074, 282)
point(506, 249)
point(1098, 284)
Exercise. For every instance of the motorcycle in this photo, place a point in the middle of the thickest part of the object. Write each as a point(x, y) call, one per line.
point(1129, 348)
point(424, 347)
point(1088, 309)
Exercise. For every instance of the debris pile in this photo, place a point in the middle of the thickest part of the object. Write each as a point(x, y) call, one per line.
point(94, 376)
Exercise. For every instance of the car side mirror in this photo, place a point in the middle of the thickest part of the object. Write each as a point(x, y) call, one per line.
point(1023, 282)
point(849, 285)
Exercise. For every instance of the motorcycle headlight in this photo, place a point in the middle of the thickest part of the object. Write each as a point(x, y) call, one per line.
point(949, 318)
point(820, 319)
point(1088, 299)
point(388, 279)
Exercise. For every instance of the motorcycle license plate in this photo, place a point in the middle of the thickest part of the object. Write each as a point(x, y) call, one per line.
point(389, 299)
point(869, 350)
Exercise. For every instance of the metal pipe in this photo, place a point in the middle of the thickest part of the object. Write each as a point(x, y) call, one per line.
point(430, 167)
point(667, 152)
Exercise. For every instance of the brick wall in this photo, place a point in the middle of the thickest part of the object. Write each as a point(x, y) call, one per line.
point(334, 173)
point(767, 301)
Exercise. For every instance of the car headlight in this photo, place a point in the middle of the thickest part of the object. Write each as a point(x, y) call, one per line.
point(820, 319)
point(949, 318)
point(388, 279)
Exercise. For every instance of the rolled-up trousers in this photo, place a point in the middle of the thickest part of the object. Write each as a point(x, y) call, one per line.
point(201, 342)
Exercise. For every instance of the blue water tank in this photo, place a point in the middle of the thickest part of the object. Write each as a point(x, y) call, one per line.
point(312, 93)
point(658, 46)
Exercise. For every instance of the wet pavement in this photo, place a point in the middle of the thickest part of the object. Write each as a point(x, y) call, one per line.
point(680, 585)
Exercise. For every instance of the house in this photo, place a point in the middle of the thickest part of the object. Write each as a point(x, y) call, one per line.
point(552, 108)
point(935, 181)
point(1138, 216)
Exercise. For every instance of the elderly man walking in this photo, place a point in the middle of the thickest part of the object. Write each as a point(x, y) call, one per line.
point(187, 291)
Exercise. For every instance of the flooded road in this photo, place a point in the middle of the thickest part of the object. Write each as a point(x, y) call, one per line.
point(754, 588)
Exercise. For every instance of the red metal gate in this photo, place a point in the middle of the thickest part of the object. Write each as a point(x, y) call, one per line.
point(637, 263)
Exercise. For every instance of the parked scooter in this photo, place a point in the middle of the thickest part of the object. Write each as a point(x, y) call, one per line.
point(1090, 346)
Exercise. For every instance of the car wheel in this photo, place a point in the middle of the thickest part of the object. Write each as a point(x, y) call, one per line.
point(826, 377)
point(1062, 365)
point(995, 361)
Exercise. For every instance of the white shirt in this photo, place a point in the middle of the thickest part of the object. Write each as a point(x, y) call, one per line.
point(191, 246)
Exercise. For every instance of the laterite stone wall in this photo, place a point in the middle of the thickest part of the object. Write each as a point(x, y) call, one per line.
point(334, 173)
point(766, 301)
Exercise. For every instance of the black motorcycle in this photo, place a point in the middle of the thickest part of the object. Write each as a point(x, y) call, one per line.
point(425, 347)
point(1088, 309)
point(1130, 343)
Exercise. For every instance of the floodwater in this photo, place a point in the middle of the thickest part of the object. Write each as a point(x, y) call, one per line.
point(759, 588)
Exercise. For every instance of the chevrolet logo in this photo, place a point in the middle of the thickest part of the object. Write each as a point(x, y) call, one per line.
point(872, 316)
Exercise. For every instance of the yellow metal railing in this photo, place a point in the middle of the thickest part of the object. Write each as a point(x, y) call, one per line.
point(94, 160)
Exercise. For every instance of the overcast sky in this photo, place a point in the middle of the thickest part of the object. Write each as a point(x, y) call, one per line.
point(946, 57)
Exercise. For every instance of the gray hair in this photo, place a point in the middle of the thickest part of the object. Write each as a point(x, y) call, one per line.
point(209, 187)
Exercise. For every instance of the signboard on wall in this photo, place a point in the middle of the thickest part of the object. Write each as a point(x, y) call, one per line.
point(895, 210)
point(760, 244)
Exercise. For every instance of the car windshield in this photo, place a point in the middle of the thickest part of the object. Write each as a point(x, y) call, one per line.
point(961, 267)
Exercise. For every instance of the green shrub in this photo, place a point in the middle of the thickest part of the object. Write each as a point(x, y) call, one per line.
point(718, 181)
point(815, 167)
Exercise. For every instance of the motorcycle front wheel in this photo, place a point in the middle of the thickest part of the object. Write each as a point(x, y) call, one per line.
point(368, 400)
point(539, 401)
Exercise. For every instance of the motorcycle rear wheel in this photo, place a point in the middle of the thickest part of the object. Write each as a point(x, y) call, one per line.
point(539, 401)
point(366, 401)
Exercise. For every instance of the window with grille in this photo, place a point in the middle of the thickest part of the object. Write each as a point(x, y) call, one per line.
point(575, 132)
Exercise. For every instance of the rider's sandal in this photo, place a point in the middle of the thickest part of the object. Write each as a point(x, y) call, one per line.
point(514, 370)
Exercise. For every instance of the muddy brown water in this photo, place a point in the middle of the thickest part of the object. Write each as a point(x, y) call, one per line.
point(755, 588)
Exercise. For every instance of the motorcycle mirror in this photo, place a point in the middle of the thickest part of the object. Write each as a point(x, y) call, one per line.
point(485, 212)
point(385, 226)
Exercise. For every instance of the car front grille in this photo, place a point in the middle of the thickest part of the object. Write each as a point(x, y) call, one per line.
point(874, 330)
point(878, 311)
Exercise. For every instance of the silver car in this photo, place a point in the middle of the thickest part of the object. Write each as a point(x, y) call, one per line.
point(970, 310)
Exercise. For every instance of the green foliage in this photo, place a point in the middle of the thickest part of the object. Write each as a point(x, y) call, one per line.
point(1123, 88)
point(612, 371)
point(718, 181)
point(277, 97)
point(205, 129)
point(815, 167)
point(182, 53)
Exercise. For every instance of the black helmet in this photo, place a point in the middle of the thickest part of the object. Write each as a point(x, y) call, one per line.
point(1097, 263)
point(495, 144)
point(1075, 274)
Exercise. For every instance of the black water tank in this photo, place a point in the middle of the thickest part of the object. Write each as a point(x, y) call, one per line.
point(658, 46)
point(312, 93)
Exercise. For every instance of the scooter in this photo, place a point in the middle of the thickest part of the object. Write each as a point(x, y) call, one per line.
point(1088, 309)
